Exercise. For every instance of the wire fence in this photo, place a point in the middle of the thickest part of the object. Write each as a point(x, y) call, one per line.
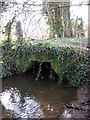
point(45, 20)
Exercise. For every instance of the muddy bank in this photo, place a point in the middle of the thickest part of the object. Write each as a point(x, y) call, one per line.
point(80, 108)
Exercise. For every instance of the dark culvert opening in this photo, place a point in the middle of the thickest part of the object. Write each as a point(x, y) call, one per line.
point(43, 70)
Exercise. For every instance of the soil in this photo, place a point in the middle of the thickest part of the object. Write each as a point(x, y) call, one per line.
point(82, 96)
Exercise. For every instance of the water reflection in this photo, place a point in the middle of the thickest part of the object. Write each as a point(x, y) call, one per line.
point(30, 98)
point(20, 107)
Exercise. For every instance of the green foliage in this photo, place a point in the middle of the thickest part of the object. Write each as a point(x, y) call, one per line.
point(39, 71)
point(8, 28)
point(9, 65)
point(76, 71)
point(81, 73)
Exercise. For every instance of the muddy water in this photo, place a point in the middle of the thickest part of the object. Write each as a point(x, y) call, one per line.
point(25, 97)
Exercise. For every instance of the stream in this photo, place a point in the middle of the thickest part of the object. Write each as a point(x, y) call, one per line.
point(25, 97)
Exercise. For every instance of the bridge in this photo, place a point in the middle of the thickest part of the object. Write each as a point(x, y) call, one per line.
point(63, 58)
point(68, 60)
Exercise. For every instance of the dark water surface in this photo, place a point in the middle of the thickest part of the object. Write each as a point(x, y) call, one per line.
point(25, 97)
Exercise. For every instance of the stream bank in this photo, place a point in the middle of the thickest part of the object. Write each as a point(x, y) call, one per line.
point(51, 97)
point(80, 108)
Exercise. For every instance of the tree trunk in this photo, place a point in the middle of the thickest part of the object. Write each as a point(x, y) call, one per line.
point(51, 20)
point(66, 16)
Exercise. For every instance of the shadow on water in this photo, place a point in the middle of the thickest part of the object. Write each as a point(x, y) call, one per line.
point(25, 97)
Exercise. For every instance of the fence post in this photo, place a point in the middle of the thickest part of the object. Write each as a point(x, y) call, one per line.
point(88, 25)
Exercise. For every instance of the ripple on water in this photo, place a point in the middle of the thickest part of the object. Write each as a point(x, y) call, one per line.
point(20, 107)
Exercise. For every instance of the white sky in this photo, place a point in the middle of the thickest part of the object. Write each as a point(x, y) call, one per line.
point(81, 11)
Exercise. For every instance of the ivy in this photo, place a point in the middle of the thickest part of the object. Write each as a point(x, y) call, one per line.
point(9, 65)
point(51, 74)
point(39, 71)
point(77, 75)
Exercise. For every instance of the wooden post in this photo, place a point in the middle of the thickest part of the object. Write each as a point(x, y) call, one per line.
point(88, 25)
